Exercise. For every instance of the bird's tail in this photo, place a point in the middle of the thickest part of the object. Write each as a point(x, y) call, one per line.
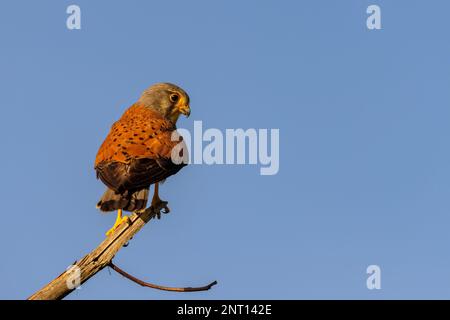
point(111, 201)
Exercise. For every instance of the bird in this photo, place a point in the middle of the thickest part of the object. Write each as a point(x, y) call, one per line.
point(137, 152)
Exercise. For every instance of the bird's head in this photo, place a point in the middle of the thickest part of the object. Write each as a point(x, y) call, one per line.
point(168, 99)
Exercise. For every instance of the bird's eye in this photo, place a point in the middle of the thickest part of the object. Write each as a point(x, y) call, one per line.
point(174, 97)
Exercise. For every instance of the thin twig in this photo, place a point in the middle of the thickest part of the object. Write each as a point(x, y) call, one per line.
point(101, 257)
point(155, 286)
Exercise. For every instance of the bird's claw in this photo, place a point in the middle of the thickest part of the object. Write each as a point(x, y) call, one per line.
point(119, 221)
point(160, 207)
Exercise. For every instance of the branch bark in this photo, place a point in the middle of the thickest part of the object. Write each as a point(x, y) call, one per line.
point(97, 259)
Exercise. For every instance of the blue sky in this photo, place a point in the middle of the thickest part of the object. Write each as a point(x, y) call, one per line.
point(364, 158)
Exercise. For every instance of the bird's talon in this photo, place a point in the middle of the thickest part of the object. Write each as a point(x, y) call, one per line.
point(120, 219)
point(160, 207)
point(164, 208)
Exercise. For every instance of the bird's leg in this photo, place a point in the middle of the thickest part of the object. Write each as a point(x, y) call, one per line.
point(119, 220)
point(158, 204)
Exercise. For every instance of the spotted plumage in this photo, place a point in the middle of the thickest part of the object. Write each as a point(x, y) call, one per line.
point(138, 149)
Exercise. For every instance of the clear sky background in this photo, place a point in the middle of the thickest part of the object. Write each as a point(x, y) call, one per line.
point(364, 159)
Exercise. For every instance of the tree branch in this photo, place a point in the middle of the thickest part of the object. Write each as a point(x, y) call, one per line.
point(155, 286)
point(98, 258)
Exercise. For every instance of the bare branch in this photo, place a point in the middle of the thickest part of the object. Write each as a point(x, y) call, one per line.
point(98, 258)
point(155, 286)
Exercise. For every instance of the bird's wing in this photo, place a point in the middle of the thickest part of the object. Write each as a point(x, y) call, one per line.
point(137, 151)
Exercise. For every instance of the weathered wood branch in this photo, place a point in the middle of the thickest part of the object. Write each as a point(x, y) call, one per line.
point(97, 259)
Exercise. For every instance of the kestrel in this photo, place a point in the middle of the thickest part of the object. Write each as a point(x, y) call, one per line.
point(137, 151)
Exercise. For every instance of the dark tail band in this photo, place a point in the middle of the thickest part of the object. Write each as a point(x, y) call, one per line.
point(112, 201)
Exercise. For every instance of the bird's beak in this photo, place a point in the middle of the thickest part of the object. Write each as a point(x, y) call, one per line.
point(185, 109)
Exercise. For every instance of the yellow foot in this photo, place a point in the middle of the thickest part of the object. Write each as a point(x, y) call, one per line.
point(118, 222)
